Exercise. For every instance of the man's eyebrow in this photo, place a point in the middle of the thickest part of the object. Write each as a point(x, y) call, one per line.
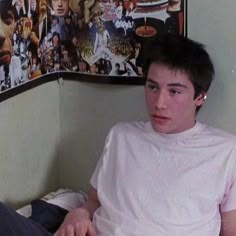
point(170, 84)
point(152, 81)
point(177, 85)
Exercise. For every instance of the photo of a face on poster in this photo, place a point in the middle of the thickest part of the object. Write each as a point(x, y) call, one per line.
point(92, 37)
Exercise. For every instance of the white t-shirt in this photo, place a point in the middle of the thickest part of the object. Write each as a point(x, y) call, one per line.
point(151, 184)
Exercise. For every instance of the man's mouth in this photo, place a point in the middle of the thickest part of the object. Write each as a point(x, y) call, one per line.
point(60, 11)
point(160, 118)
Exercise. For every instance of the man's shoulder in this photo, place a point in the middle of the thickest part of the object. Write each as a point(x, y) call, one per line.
point(218, 133)
point(130, 127)
point(128, 133)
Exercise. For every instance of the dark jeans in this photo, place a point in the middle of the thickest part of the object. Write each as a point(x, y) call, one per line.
point(47, 215)
point(14, 224)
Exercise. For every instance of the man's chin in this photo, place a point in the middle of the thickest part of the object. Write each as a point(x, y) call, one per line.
point(161, 128)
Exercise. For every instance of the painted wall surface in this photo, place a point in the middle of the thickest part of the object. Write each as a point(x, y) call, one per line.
point(87, 113)
point(214, 25)
point(30, 129)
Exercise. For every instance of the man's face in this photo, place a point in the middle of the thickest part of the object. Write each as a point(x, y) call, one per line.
point(170, 99)
point(82, 66)
point(61, 7)
point(93, 69)
point(7, 24)
point(74, 41)
point(54, 22)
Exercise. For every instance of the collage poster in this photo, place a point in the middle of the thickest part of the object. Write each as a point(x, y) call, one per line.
point(92, 37)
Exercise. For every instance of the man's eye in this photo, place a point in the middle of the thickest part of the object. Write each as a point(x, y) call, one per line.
point(153, 88)
point(174, 92)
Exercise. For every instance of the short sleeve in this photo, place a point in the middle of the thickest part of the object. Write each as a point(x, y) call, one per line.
point(100, 164)
point(229, 200)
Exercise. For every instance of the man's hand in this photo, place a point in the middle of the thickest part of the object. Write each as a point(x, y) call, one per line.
point(228, 225)
point(77, 223)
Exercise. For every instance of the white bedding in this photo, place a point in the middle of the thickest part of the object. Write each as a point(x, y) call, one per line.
point(65, 198)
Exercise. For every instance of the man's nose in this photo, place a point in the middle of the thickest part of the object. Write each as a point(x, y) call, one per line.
point(161, 100)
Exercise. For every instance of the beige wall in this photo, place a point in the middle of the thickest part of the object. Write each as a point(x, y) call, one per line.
point(32, 160)
point(29, 140)
point(213, 23)
point(87, 112)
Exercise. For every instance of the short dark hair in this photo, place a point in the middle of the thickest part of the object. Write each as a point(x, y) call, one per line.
point(55, 33)
point(181, 53)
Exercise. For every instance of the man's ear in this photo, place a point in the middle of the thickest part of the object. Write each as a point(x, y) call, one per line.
point(200, 99)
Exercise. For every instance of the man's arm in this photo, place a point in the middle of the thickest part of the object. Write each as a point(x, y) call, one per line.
point(78, 222)
point(92, 203)
point(228, 223)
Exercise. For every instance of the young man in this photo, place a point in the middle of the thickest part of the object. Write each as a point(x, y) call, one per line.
point(7, 24)
point(172, 175)
point(60, 7)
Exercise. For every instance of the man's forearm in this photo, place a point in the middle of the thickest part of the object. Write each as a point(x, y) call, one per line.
point(92, 203)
